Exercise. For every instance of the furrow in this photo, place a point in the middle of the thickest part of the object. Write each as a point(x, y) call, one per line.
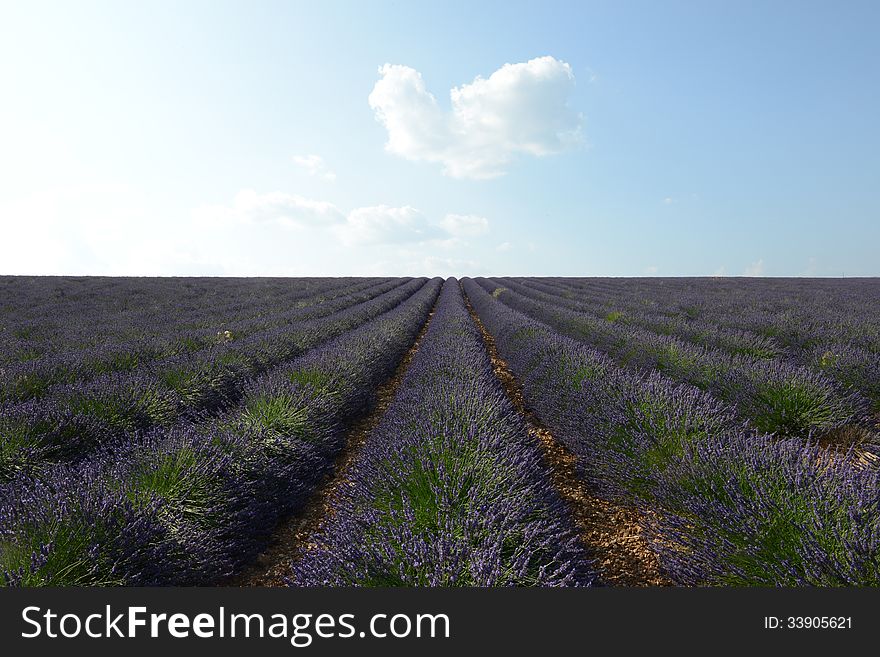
point(611, 533)
point(292, 536)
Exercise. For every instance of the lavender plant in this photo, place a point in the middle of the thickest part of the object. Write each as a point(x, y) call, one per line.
point(724, 504)
point(210, 493)
point(450, 490)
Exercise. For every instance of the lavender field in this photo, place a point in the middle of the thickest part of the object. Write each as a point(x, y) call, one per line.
point(416, 432)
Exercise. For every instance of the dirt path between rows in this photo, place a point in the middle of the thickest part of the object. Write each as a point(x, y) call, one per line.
point(292, 536)
point(611, 533)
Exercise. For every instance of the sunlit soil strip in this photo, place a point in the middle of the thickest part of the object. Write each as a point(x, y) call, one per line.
point(610, 532)
point(293, 536)
point(862, 444)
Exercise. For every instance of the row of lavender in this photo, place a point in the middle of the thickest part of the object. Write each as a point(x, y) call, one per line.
point(48, 315)
point(774, 395)
point(188, 332)
point(844, 345)
point(72, 419)
point(450, 490)
point(796, 313)
point(195, 503)
point(655, 318)
point(723, 504)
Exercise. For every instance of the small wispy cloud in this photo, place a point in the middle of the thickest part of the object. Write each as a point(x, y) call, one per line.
point(314, 165)
point(755, 269)
point(504, 247)
point(465, 225)
point(651, 270)
point(668, 200)
point(383, 224)
point(287, 210)
point(375, 225)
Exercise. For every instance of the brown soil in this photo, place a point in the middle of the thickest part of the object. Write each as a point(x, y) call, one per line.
point(293, 537)
point(610, 532)
point(854, 439)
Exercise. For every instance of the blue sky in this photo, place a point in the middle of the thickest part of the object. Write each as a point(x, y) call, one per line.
point(262, 138)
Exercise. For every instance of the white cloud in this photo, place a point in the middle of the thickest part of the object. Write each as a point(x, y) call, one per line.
point(288, 210)
point(314, 166)
point(504, 246)
point(521, 109)
point(382, 224)
point(668, 200)
point(651, 270)
point(378, 224)
point(448, 243)
point(755, 269)
point(465, 225)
